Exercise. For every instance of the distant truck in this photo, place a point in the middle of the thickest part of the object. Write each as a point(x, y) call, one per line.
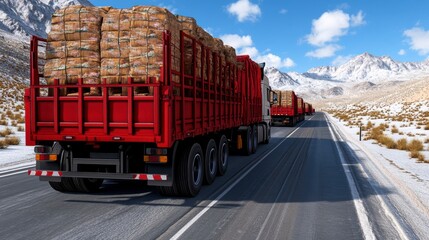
point(176, 137)
point(308, 109)
point(288, 109)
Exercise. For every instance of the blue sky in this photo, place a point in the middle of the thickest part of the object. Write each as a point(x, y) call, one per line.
point(299, 35)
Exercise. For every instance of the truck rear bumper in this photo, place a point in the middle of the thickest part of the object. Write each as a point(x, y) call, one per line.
point(49, 175)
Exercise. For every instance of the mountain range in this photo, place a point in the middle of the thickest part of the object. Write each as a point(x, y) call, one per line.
point(361, 73)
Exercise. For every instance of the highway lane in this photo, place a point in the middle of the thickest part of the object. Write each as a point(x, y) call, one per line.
point(292, 188)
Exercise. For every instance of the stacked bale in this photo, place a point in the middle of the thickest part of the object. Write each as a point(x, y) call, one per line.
point(115, 48)
point(284, 98)
point(114, 44)
point(146, 43)
point(73, 47)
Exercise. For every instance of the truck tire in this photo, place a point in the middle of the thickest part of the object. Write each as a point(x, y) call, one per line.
point(87, 185)
point(190, 175)
point(66, 185)
point(210, 162)
point(268, 137)
point(223, 154)
point(255, 138)
point(248, 141)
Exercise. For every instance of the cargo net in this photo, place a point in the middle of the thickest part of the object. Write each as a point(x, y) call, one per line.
point(112, 46)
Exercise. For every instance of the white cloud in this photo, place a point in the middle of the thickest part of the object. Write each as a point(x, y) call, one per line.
point(251, 51)
point(357, 20)
point(419, 40)
point(275, 61)
point(327, 30)
point(283, 11)
point(324, 52)
point(237, 41)
point(170, 8)
point(340, 60)
point(402, 52)
point(244, 10)
point(329, 27)
point(244, 46)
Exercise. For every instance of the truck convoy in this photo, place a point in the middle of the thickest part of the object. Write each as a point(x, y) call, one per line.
point(141, 94)
point(289, 109)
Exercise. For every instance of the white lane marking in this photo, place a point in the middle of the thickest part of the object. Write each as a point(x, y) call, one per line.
point(211, 204)
point(360, 209)
point(399, 228)
point(15, 173)
point(15, 168)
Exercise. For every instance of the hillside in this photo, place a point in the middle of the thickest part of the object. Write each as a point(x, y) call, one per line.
point(359, 75)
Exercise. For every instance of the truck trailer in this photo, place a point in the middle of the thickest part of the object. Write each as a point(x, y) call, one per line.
point(177, 135)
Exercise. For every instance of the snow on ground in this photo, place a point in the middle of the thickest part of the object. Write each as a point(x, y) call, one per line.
point(412, 123)
point(16, 155)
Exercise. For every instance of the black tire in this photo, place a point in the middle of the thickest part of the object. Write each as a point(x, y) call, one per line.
point(210, 162)
point(223, 154)
point(268, 137)
point(87, 185)
point(247, 141)
point(168, 191)
point(66, 185)
point(190, 175)
point(255, 138)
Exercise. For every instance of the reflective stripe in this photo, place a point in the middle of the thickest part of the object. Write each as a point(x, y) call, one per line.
point(40, 173)
point(152, 177)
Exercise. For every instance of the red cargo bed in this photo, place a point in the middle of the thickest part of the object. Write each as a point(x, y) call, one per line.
point(176, 110)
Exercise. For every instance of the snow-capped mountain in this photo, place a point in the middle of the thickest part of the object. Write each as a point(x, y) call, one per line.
point(361, 73)
point(19, 19)
point(23, 18)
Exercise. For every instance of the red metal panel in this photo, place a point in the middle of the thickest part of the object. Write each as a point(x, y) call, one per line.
point(219, 97)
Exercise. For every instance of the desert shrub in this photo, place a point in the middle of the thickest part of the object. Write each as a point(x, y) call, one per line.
point(388, 142)
point(421, 158)
point(14, 123)
point(14, 140)
point(415, 145)
point(414, 154)
point(3, 144)
point(369, 125)
point(395, 129)
point(20, 128)
point(6, 132)
point(3, 122)
point(402, 144)
point(427, 127)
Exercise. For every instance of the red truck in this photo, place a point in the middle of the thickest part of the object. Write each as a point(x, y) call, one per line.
point(288, 109)
point(175, 139)
point(308, 109)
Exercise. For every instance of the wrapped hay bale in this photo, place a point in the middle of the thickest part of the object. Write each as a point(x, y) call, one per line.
point(73, 47)
point(69, 70)
point(146, 42)
point(115, 48)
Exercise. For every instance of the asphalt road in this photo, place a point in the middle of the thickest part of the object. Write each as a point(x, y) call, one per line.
point(296, 187)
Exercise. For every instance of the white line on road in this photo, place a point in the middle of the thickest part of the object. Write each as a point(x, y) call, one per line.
point(211, 204)
point(15, 173)
point(399, 228)
point(360, 209)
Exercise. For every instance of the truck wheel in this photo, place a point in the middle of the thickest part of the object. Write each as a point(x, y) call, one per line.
point(268, 137)
point(223, 154)
point(66, 185)
point(190, 175)
point(87, 185)
point(248, 141)
point(168, 191)
point(210, 162)
point(255, 138)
